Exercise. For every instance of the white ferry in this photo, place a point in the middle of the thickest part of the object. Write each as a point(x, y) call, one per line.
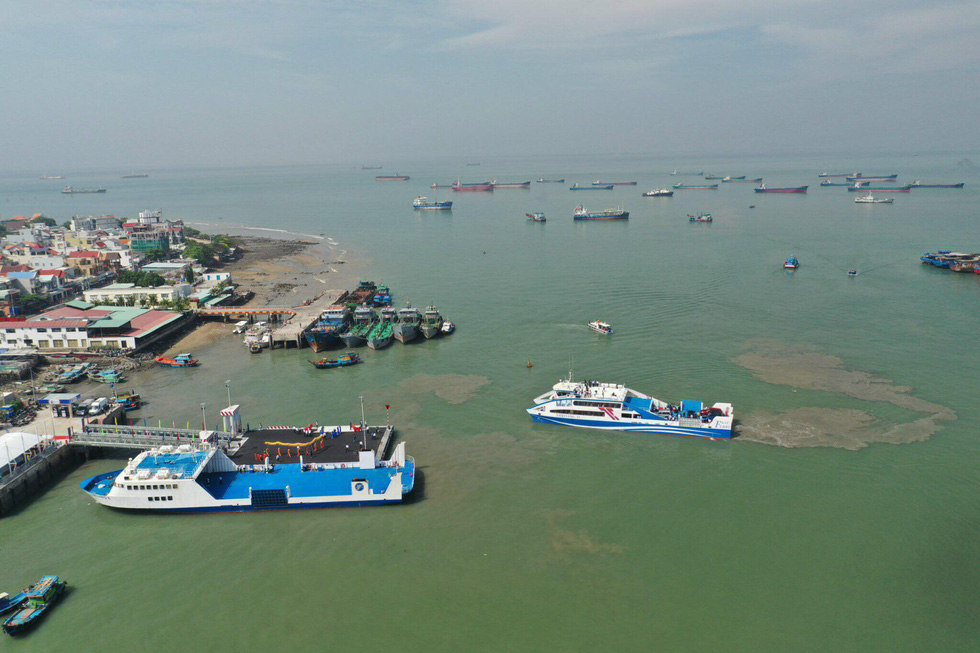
point(591, 404)
point(196, 479)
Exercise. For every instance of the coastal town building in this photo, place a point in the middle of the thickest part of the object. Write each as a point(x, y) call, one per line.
point(81, 325)
point(94, 223)
point(129, 291)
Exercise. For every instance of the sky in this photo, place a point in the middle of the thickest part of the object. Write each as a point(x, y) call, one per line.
point(147, 84)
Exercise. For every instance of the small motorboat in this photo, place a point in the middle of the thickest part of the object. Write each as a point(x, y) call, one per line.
point(791, 263)
point(40, 598)
point(601, 327)
point(180, 360)
point(255, 348)
point(106, 376)
point(10, 603)
point(852, 272)
point(700, 217)
point(348, 359)
point(447, 328)
point(536, 216)
point(128, 400)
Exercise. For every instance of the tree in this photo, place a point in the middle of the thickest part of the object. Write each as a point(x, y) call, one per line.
point(46, 221)
point(66, 224)
point(189, 275)
point(31, 303)
point(155, 254)
point(200, 252)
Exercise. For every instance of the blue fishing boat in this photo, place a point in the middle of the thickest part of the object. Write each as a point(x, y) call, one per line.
point(328, 327)
point(382, 297)
point(40, 598)
point(792, 262)
point(9, 603)
point(575, 186)
point(348, 359)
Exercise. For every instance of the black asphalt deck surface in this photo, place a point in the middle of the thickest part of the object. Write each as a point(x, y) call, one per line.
point(342, 449)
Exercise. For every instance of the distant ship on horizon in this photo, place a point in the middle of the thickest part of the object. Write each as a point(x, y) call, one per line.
point(47, 177)
point(136, 175)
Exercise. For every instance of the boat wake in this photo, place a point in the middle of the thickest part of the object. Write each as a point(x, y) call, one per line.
point(846, 428)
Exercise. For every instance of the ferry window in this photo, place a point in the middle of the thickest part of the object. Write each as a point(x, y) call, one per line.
point(149, 498)
point(170, 498)
point(156, 487)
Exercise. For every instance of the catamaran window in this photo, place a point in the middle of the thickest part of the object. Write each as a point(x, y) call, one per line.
point(597, 404)
point(591, 413)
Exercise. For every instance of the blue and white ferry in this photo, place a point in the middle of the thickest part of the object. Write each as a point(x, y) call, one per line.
point(591, 404)
point(203, 478)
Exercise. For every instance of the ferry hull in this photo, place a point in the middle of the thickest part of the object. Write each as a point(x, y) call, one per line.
point(667, 428)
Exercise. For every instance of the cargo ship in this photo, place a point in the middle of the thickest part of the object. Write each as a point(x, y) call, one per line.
point(136, 175)
point(730, 179)
point(919, 184)
point(423, 203)
point(482, 186)
point(873, 177)
point(613, 407)
point(516, 184)
point(849, 175)
point(581, 213)
point(327, 467)
point(786, 189)
point(827, 182)
point(614, 183)
point(542, 180)
point(696, 186)
point(856, 188)
point(392, 178)
point(675, 173)
point(51, 177)
point(593, 187)
point(68, 190)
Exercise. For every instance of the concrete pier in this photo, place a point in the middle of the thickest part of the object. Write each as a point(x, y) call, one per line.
point(30, 478)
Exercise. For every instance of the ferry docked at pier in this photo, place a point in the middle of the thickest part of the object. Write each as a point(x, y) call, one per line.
point(613, 407)
point(328, 467)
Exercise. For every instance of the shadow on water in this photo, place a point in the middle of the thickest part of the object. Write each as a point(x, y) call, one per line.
point(418, 490)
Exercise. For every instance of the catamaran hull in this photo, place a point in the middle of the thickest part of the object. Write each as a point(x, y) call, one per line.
point(666, 428)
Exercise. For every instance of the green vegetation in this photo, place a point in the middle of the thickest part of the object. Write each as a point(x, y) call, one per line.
point(46, 221)
point(31, 303)
point(189, 275)
point(141, 279)
point(200, 252)
point(156, 254)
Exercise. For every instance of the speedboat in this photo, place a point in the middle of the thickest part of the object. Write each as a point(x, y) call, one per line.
point(601, 327)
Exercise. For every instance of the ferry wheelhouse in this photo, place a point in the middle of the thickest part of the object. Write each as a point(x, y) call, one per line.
point(609, 406)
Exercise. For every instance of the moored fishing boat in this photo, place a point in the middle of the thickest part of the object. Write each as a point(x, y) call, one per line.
point(542, 180)
point(357, 333)
point(180, 360)
point(575, 186)
point(431, 323)
point(128, 400)
point(786, 189)
point(382, 333)
point(423, 203)
point(581, 213)
point(382, 296)
point(447, 328)
point(601, 327)
point(516, 184)
point(327, 328)
point(696, 186)
point(871, 199)
point(348, 359)
point(614, 407)
point(792, 262)
point(105, 376)
point(10, 603)
point(700, 217)
point(659, 192)
point(407, 325)
point(919, 184)
point(536, 216)
point(41, 597)
point(614, 183)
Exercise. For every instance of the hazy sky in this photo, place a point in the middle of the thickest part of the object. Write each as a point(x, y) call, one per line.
point(152, 83)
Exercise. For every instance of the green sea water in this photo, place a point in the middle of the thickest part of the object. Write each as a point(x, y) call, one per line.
point(527, 537)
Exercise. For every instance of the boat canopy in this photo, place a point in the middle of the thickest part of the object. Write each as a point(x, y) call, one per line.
point(690, 406)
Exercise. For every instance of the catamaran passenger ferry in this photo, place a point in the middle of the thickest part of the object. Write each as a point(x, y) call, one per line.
point(591, 404)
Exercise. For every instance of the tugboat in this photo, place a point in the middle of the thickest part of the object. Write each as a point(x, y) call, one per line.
point(700, 217)
point(431, 322)
point(407, 325)
point(382, 332)
point(40, 598)
point(615, 407)
point(180, 360)
point(348, 359)
point(791, 263)
point(601, 327)
point(536, 216)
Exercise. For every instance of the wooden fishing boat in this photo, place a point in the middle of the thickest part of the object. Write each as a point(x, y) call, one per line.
point(40, 598)
point(348, 359)
point(180, 360)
